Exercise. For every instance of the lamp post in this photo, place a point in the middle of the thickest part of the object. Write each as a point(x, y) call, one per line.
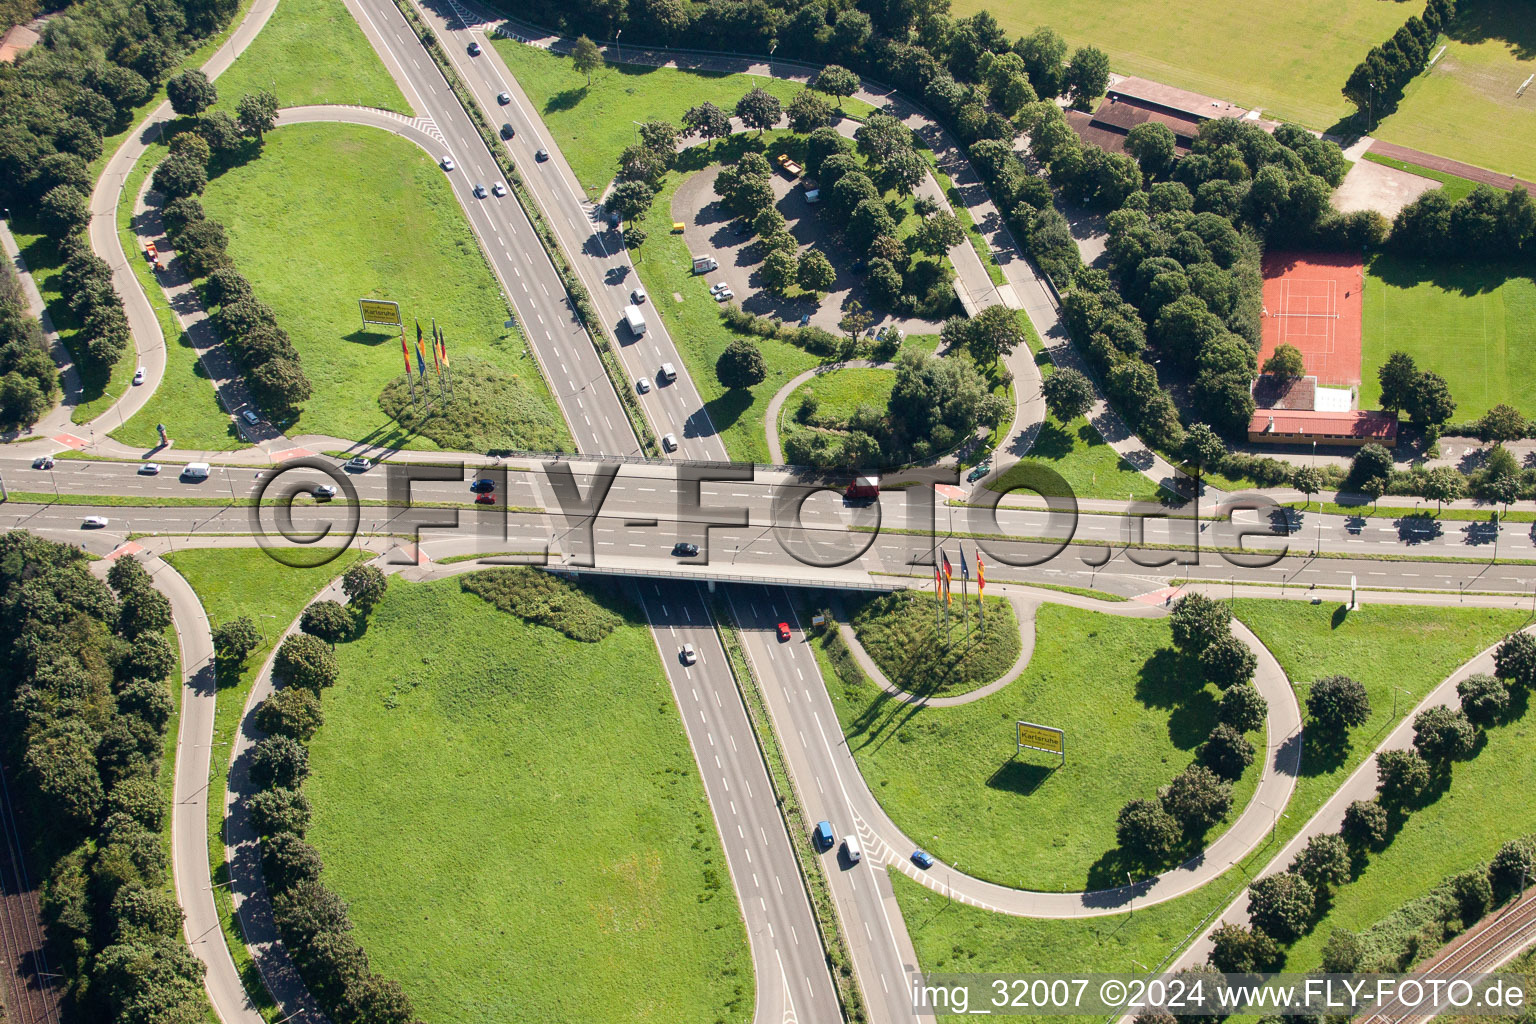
point(617, 58)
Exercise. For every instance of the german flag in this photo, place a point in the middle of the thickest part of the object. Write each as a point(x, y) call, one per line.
point(405, 348)
point(442, 346)
point(981, 576)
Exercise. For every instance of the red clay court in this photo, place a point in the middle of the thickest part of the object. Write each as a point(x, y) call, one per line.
point(1312, 301)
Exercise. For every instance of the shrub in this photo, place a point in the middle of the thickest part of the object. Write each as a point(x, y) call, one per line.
point(1512, 867)
point(292, 711)
point(544, 599)
point(279, 762)
point(1197, 799)
point(1365, 825)
point(1226, 752)
point(1282, 905)
point(1146, 831)
point(279, 810)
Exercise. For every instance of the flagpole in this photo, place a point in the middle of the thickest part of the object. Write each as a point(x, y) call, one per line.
point(408, 381)
point(965, 579)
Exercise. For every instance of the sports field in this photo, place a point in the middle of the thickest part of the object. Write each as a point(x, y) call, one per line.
point(1312, 301)
point(1289, 59)
point(1465, 107)
point(1475, 326)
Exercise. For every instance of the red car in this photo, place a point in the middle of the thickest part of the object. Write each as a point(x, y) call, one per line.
point(783, 631)
point(485, 499)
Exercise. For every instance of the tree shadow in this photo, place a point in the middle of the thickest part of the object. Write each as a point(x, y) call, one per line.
point(1503, 20)
point(565, 99)
point(1464, 279)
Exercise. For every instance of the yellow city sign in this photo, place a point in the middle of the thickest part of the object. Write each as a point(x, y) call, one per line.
point(380, 311)
point(1042, 737)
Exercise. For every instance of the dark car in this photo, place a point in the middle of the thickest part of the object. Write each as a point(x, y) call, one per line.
point(922, 859)
point(542, 155)
point(507, 131)
point(682, 549)
point(484, 485)
point(474, 49)
point(504, 98)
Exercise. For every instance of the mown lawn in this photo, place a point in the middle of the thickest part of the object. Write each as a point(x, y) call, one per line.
point(592, 124)
point(1290, 60)
point(311, 51)
point(374, 214)
point(902, 632)
point(954, 781)
point(1465, 107)
point(504, 858)
point(184, 400)
point(231, 582)
point(1417, 646)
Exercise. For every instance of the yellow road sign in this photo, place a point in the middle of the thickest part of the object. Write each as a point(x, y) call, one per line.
point(1042, 737)
point(380, 311)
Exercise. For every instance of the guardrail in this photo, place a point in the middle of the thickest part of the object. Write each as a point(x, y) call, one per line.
point(677, 574)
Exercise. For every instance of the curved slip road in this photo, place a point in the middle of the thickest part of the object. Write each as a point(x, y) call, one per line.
point(776, 403)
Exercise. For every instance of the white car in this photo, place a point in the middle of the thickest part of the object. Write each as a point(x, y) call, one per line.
point(358, 464)
point(498, 189)
point(94, 523)
point(325, 491)
point(480, 192)
point(447, 163)
point(643, 385)
point(150, 469)
point(637, 296)
point(138, 375)
point(724, 295)
point(687, 655)
point(669, 442)
point(718, 287)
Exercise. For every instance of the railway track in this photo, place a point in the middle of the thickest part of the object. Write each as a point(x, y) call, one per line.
point(32, 990)
point(1480, 953)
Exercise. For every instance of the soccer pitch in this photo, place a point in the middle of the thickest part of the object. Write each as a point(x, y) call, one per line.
point(1291, 59)
point(1475, 327)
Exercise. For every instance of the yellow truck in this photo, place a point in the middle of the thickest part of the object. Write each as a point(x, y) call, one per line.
point(789, 166)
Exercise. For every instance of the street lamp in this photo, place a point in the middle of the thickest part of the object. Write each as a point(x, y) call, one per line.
point(617, 58)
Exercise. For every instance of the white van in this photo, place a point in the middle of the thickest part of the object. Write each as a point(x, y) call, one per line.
point(635, 319)
point(668, 372)
point(195, 471)
point(851, 845)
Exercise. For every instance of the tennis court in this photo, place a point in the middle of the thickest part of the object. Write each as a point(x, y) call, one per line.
point(1313, 301)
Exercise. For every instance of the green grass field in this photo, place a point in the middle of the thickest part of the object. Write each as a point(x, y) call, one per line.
point(1290, 59)
point(592, 124)
point(901, 634)
point(1465, 106)
point(1473, 325)
point(311, 51)
point(231, 582)
point(373, 211)
point(503, 857)
point(953, 780)
point(1417, 647)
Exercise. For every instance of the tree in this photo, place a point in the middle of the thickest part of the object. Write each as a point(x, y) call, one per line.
point(279, 810)
point(778, 270)
point(1202, 448)
point(836, 81)
point(1087, 76)
point(1146, 832)
point(870, 220)
point(1323, 862)
point(1484, 699)
point(1239, 950)
point(630, 199)
point(707, 121)
point(994, 332)
point(1443, 734)
point(741, 365)
point(1281, 905)
point(1227, 662)
point(331, 621)
point(660, 137)
point(287, 861)
point(364, 586)
point(1243, 708)
point(1308, 481)
point(1512, 868)
point(634, 238)
point(586, 57)
point(1396, 377)
point(128, 574)
point(140, 912)
point(1365, 825)
point(256, 113)
point(1337, 703)
point(143, 610)
point(854, 320)
point(1502, 423)
point(1442, 484)
point(938, 234)
point(305, 661)
point(884, 284)
point(192, 145)
point(1515, 660)
point(1197, 798)
point(1044, 54)
point(1198, 621)
point(64, 210)
point(807, 112)
point(1429, 400)
point(814, 272)
point(759, 109)
point(281, 386)
point(221, 131)
point(150, 657)
point(1068, 394)
point(1226, 752)
point(190, 92)
point(291, 711)
point(1286, 362)
point(881, 137)
point(1401, 776)
point(180, 175)
point(279, 761)
point(1154, 146)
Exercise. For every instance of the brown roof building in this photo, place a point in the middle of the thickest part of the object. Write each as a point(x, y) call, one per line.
point(1133, 101)
point(17, 41)
point(1337, 429)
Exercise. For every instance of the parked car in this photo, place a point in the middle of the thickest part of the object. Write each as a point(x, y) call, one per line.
point(138, 375)
point(480, 192)
point(498, 190)
point(503, 98)
point(324, 492)
point(687, 655)
point(643, 385)
point(822, 835)
point(669, 442)
point(474, 49)
point(43, 462)
point(981, 470)
point(93, 523)
point(446, 163)
point(724, 295)
point(922, 859)
point(150, 469)
point(541, 155)
point(358, 464)
point(249, 415)
point(484, 485)
point(507, 131)
point(718, 287)
point(637, 296)
point(783, 632)
point(683, 549)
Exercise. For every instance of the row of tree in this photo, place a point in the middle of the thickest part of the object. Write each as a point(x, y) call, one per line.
point(311, 917)
point(1376, 84)
point(1486, 225)
point(85, 697)
point(1284, 906)
point(29, 380)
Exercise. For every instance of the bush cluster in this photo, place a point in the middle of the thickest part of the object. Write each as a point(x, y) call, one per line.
point(544, 599)
point(29, 380)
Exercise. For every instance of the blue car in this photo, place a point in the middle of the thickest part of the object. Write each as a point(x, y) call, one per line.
point(922, 859)
point(823, 835)
point(484, 485)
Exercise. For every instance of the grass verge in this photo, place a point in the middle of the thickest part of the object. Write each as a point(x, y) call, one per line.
point(901, 634)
